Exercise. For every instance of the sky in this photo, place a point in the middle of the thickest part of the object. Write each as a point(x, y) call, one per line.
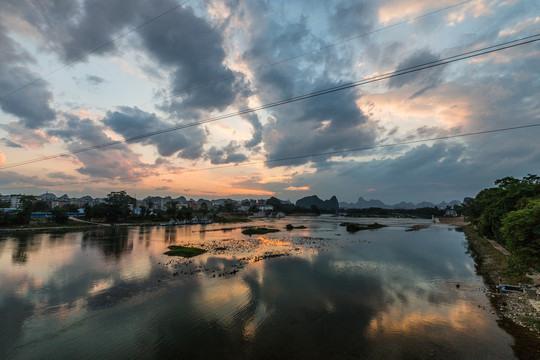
point(80, 74)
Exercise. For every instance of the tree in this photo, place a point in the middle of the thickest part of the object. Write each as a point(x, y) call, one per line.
point(70, 208)
point(60, 216)
point(26, 203)
point(4, 204)
point(490, 206)
point(229, 207)
point(96, 211)
point(204, 208)
point(41, 205)
point(521, 230)
point(119, 205)
point(144, 211)
point(171, 208)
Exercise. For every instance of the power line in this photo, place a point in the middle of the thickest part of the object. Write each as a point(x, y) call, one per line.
point(16, 90)
point(326, 47)
point(400, 72)
point(79, 58)
point(296, 157)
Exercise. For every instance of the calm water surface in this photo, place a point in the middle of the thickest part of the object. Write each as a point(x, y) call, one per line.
point(313, 293)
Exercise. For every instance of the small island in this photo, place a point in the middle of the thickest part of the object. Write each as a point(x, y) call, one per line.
point(177, 250)
point(354, 227)
point(258, 231)
point(291, 227)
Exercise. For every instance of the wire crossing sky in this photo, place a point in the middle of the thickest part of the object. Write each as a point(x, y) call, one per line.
point(399, 72)
point(272, 85)
point(333, 153)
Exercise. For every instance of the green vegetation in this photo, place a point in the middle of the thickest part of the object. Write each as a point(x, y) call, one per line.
point(22, 216)
point(291, 227)
point(119, 205)
point(258, 231)
point(492, 263)
point(510, 215)
point(354, 227)
point(177, 250)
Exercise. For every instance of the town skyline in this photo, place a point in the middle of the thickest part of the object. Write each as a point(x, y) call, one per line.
point(160, 201)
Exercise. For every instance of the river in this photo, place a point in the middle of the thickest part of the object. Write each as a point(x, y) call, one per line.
point(314, 293)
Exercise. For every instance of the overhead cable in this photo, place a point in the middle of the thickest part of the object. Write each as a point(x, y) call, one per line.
point(400, 72)
point(90, 52)
point(289, 158)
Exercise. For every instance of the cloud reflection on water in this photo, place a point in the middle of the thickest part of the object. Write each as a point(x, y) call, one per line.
point(338, 296)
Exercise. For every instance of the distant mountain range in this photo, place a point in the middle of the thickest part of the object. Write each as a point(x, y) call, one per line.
point(363, 204)
point(309, 201)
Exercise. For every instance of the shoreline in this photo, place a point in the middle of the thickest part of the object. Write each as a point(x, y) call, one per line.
point(457, 221)
point(517, 315)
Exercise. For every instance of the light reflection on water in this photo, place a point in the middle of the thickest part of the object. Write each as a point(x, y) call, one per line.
point(308, 293)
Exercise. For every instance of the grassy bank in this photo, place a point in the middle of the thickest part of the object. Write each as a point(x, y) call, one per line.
point(513, 309)
point(491, 262)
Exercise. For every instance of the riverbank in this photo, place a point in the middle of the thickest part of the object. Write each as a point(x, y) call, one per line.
point(518, 315)
point(457, 221)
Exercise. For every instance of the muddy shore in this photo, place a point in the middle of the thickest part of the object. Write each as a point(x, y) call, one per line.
point(519, 312)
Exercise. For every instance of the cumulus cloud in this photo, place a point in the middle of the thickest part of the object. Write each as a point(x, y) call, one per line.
point(193, 52)
point(353, 17)
point(425, 79)
point(32, 103)
point(2, 158)
point(111, 162)
point(21, 137)
point(131, 121)
point(226, 155)
point(326, 123)
point(10, 143)
point(73, 28)
point(12, 178)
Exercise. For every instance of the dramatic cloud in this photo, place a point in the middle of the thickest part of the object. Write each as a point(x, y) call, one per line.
point(353, 18)
point(21, 137)
point(228, 154)
point(72, 28)
point(211, 58)
point(425, 79)
point(32, 103)
point(112, 162)
point(321, 124)
point(192, 49)
point(130, 122)
point(10, 143)
point(10, 178)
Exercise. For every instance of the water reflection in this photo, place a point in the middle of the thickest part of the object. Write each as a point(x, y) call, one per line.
point(108, 293)
point(113, 242)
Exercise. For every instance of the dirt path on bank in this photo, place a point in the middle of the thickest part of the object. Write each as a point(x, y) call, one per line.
point(458, 221)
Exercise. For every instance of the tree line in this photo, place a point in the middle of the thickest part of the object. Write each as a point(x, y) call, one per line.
point(509, 213)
